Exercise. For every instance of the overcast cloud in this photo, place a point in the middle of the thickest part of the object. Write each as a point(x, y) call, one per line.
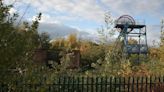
point(68, 16)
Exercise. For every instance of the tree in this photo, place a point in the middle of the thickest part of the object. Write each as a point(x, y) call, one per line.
point(132, 41)
point(8, 35)
point(162, 41)
point(16, 45)
point(106, 32)
point(72, 41)
point(91, 52)
point(44, 40)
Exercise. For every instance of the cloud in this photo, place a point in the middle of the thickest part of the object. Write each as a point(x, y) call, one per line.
point(46, 18)
point(86, 9)
point(12, 11)
point(135, 7)
point(59, 30)
point(94, 9)
point(57, 13)
point(153, 34)
point(8, 1)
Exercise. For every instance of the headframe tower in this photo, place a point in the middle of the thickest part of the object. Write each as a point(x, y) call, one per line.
point(130, 29)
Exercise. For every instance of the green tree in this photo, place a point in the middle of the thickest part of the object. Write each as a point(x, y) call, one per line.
point(16, 45)
point(44, 40)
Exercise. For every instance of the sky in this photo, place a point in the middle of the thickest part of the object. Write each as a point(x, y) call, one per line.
point(62, 17)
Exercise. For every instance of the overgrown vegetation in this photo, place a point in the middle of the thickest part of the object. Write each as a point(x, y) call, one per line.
point(17, 46)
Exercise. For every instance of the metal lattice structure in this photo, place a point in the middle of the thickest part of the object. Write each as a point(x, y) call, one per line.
point(130, 29)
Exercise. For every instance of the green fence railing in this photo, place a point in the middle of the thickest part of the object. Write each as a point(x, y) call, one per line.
point(89, 84)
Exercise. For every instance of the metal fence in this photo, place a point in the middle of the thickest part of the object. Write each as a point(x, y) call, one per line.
point(89, 84)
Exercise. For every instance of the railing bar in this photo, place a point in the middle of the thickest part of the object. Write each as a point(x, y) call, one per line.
point(124, 86)
point(119, 90)
point(68, 79)
point(87, 84)
point(115, 81)
point(73, 78)
point(141, 84)
point(101, 84)
point(132, 84)
point(96, 84)
point(150, 83)
point(63, 84)
point(159, 78)
point(155, 84)
point(92, 81)
point(82, 84)
point(137, 84)
point(146, 84)
point(78, 81)
point(129, 84)
point(59, 82)
point(110, 84)
point(106, 84)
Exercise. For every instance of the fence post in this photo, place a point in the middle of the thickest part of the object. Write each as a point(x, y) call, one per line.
point(96, 84)
point(137, 84)
point(159, 84)
point(63, 89)
point(78, 82)
point(68, 83)
point(120, 84)
point(82, 84)
point(92, 83)
point(132, 84)
point(45, 83)
point(146, 84)
point(101, 84)
point(155, 83)
point(124, 80)
point(59, 84)
point(1, 87)
point(110, 84)
point(150, 83)
point(142, 84)
point(115, 84)
point(106, 81)
point(73, 84)
point(128, 84)
point(87, 83)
